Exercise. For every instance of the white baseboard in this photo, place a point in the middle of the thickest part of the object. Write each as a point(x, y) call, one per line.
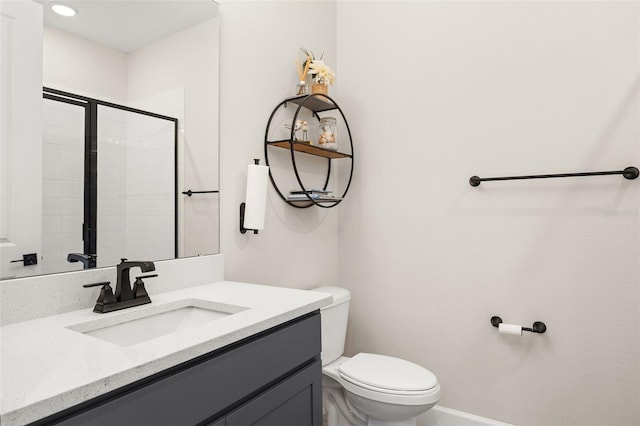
point(441, 416)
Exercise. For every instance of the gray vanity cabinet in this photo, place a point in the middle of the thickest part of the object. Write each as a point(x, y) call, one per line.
point(273, 378)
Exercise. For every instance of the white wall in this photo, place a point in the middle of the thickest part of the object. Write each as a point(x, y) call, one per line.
point(83, 67)
point(441, 91)
point(259, 44)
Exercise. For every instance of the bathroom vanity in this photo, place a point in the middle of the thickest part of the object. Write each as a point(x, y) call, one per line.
point(243, 354)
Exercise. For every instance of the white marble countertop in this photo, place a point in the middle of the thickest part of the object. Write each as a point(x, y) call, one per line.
point(46, 367)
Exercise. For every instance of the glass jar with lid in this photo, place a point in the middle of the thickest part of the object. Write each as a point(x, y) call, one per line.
point(328, 131)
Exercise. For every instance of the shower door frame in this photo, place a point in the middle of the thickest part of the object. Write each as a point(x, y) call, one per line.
point(89, 227)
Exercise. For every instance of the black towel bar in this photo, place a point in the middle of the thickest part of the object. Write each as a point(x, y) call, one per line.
point(628, 173)
point(190, 192)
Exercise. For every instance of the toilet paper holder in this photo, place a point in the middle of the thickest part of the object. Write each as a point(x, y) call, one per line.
point(537, 327)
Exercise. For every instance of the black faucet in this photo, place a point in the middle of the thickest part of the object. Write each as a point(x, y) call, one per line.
point(88, 260)
point(123, 281)
point(125, 296)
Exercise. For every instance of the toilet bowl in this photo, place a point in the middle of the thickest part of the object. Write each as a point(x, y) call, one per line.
point(368, 389)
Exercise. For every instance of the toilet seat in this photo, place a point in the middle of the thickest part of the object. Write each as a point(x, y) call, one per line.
point(385, 379)
point(387, 374)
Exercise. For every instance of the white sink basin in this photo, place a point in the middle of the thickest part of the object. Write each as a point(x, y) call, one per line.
point(133, 327)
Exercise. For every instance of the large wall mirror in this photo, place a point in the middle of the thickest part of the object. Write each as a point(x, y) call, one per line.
point(109, 133)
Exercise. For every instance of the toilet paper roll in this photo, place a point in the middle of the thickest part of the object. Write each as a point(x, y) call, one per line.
point(510, 329)
point(256, 196)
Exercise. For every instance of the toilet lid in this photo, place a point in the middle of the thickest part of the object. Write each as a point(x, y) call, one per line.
point(385, 372)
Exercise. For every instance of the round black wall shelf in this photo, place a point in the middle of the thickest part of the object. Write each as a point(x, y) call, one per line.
point(317, 104)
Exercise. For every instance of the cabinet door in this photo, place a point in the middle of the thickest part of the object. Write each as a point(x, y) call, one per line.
point(295, 401)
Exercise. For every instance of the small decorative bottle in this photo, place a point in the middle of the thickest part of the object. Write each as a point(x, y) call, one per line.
point(328, 133)
point(302, 88)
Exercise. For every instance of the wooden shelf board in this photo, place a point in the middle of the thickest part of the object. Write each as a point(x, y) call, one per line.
point(310, 149)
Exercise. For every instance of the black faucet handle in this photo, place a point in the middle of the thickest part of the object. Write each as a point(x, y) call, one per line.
point(138, 287)
point(103, 283)
point(146, 276)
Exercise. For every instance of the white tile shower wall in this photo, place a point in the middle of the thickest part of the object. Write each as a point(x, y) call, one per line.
point(63, 185)
point(40, 296)
point(495, 88)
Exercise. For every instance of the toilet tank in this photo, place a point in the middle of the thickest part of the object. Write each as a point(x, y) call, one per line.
point(333, 319)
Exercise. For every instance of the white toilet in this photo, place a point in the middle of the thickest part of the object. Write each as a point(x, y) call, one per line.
point(368, 389)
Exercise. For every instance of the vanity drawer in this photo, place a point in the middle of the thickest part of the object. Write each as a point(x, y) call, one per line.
point(208, 387)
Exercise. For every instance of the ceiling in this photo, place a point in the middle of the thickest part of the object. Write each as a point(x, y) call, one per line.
point(129, 25)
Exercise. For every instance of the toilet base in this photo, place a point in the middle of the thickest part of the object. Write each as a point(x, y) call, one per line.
point(393, 414)
point(339, 411)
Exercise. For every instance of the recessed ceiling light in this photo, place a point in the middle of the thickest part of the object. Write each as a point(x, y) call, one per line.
point(63, 10)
